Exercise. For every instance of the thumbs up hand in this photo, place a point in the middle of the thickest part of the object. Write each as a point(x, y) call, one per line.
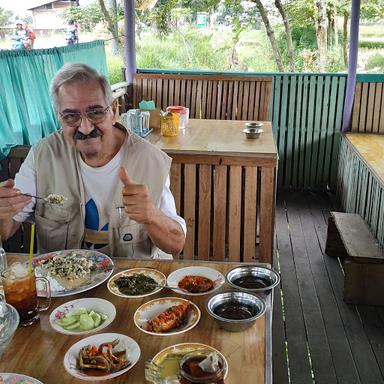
point(136, 199)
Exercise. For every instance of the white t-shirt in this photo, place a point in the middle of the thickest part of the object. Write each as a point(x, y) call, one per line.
point(99, 184)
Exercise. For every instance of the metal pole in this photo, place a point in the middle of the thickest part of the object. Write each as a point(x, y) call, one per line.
point(130, 46)
point(352, 65)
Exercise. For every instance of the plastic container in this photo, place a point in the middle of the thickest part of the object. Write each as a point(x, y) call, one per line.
point(137, 121)
point(183, 113)
point(169, 123)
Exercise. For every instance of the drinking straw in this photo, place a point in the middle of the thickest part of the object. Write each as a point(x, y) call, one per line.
point(31, 245)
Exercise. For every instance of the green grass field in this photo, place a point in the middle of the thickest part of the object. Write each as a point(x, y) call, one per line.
point(212, 49)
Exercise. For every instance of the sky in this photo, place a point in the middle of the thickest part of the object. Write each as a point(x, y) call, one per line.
point(20, 6)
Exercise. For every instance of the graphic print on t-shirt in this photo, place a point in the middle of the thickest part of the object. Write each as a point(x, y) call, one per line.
point(96, 233)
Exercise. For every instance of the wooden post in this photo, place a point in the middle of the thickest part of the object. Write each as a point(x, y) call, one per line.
point(130, 47)
point(352, 65)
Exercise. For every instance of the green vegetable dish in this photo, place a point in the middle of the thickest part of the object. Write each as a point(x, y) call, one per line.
point(136, 284)
point(80, 319)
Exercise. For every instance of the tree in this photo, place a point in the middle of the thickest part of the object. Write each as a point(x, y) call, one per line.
point(321, 33)
point(88, 17)
point(114, 17)
point(110, 21)
point(287, 27)
point(270, 34)
point(4, 16)
point(333, 30)
point(369, 10)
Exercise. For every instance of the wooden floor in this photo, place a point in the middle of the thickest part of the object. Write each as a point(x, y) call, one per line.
point(317, 338)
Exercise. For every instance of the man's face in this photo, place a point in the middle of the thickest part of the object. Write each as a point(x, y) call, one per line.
point(87, 98)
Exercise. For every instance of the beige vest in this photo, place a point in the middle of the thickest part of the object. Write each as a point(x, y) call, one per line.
point(62, 227)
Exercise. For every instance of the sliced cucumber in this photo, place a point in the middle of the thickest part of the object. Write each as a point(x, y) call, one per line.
point(96, 318)
point(79, 311)
point(81, 318)
point(73, 326)
point(67, 320)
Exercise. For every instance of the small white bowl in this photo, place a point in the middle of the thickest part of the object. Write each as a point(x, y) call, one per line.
point(98, 305)
point(125, 342)
point(156, 275)
point(176, 276)
point(153, 308)
point(9, 321)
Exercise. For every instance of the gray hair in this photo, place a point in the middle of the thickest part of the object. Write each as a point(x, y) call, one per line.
point(78, 73)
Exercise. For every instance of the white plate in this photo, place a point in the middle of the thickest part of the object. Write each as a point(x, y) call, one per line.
point(72, 355)
point(182, 349)
point(153, 308)
point(104, 269)
point(98, 305)
point(176, 276)
point(156, 275)
point(16, 378)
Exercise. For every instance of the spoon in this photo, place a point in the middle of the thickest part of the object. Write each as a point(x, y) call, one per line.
point(168, 286)
point(46, 199)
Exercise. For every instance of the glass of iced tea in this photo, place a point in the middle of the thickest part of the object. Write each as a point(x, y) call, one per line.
point(20, 291)
point(203, 367)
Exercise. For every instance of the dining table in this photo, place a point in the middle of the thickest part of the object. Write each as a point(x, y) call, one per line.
point(224, 185)
point(38, 350)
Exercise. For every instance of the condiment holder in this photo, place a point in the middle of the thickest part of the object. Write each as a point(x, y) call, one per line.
point(253, 130)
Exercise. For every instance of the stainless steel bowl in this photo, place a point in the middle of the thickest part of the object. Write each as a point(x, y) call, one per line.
point(251, 278)
point(253, 124)
point(253, 131)
point(9, 321)
point(235, 311)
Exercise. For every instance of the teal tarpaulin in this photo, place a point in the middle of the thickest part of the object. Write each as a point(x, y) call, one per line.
point(26, 113)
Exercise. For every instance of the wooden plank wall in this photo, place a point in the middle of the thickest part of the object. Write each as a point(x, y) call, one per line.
point(368, 108)
point(359, 191)
point(10, 166)
point(222, 97)
point(307, 115)
point(225, 207)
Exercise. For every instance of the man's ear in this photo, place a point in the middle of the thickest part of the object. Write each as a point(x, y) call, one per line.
point(115, 110)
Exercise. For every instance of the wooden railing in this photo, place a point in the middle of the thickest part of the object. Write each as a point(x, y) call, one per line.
point(208, 96)
point(306, 112)
point(361, 179)
point(368, 107)
point(307, 119)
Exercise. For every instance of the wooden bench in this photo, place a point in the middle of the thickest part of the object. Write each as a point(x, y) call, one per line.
point(350, 239)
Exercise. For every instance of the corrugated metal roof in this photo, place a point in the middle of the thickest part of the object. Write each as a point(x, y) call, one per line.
point(39, 3)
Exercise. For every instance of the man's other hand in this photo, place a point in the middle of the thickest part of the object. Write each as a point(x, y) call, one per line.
point(136, 199)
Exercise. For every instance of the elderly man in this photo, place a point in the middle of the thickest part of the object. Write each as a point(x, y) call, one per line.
point(98, 167)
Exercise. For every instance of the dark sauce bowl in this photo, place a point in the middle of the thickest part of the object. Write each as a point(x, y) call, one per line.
point(235, 311)
point(256, 279)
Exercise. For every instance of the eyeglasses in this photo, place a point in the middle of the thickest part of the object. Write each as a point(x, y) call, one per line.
point(95, 116)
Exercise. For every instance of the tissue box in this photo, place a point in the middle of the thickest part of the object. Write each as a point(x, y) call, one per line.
point(154, 118)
